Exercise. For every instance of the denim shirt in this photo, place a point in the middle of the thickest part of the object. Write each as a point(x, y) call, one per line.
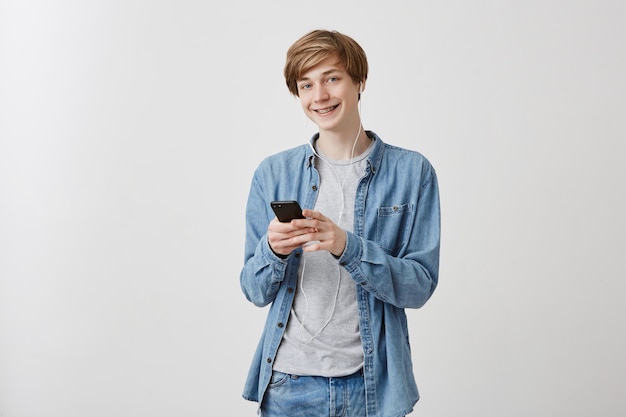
point(392, 254)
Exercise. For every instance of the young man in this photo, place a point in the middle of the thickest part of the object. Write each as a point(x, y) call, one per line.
point(336, 338)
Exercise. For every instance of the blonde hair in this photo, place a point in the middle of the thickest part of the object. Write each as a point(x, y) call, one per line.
point(316, 46)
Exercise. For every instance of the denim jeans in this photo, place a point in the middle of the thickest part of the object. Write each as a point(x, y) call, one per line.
point(314, 396)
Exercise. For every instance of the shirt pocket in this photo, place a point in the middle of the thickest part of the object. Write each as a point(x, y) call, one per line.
point(393, 226)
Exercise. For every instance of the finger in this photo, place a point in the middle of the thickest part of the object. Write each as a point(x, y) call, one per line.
point(312, 214)
point(281, 227)
point(282, 243)
point(312, 247)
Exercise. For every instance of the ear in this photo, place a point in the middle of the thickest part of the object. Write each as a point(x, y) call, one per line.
point(361, 88)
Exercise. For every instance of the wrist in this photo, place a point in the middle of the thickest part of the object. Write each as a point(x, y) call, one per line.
point(342, 248)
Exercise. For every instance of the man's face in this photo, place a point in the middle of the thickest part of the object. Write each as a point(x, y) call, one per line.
point(328, 96)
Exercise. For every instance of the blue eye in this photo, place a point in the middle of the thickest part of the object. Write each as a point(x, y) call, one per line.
point(305, 86)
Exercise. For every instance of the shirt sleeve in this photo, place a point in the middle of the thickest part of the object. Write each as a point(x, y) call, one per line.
point(409, 280)
point(263, 270)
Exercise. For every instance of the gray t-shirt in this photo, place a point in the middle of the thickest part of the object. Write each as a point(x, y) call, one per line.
point(322, 336)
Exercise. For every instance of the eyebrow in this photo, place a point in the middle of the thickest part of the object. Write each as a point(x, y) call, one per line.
point(324, 74)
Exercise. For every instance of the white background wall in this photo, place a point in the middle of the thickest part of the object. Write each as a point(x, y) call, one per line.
point(129, 131)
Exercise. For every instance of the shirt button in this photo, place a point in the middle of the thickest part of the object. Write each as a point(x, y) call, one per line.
point(280, 325)
point(314, 188)
point(395, 208)
point(269, 360)
point(290, 290)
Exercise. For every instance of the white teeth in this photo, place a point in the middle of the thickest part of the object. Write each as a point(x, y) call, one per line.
point(324, 111)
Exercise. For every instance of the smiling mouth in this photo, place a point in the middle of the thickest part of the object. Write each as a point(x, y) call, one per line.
point(327, 109)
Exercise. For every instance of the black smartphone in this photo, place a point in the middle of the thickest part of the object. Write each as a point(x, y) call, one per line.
point(287, 210)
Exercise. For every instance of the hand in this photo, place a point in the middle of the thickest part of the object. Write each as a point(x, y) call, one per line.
point(322, 233)
point(283, 238)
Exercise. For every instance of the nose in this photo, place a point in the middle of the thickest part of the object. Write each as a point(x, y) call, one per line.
point(320, 93)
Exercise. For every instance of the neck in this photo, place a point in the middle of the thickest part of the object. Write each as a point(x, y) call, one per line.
point(342, 146)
